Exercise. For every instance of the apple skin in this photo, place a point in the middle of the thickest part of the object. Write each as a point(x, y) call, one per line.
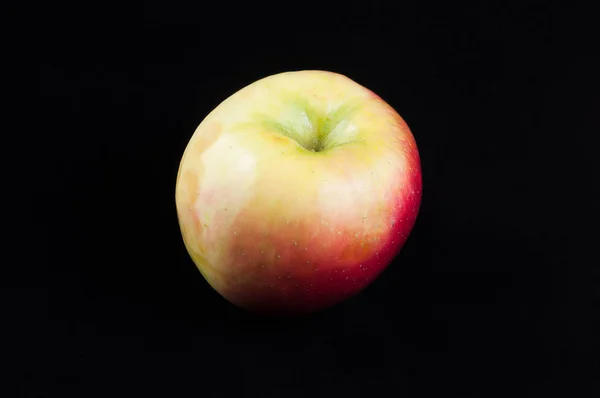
point(290, 222)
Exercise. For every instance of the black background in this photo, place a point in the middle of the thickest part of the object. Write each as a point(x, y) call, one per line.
point(495, 292)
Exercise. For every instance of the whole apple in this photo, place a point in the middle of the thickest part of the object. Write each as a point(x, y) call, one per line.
point(297, 191)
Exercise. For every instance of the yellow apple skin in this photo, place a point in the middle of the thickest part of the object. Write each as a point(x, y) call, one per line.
point(297, 191)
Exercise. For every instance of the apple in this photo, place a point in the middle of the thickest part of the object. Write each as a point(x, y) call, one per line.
point(297, 191)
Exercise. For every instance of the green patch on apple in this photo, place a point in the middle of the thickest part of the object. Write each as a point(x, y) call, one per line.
point(313, 129)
